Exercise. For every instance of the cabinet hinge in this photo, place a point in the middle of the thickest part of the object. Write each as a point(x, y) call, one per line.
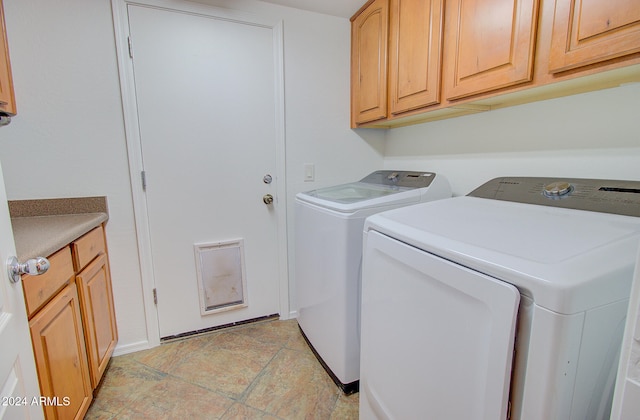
point(155, 297)
point(130, 47)
point(143, 177)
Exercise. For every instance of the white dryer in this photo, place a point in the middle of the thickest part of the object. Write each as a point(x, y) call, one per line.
point(506, 303)
point(328, 256)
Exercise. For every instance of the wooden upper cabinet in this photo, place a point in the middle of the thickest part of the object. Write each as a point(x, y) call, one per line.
point(415, 54)
point(7, 99)
point(369, 29)
point(489, 44)
point(591, 31)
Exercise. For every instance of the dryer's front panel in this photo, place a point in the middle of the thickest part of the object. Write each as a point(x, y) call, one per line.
point(437, 338)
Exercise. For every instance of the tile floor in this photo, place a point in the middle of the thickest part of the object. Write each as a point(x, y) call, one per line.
point(256, 371)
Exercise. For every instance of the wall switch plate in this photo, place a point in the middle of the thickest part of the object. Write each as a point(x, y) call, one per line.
point(309, 172)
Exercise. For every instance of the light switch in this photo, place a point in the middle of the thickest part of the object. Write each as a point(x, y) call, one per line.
point(309, 172)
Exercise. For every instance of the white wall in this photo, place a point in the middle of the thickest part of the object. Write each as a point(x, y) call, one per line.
point(592, 135)
point(68, 138)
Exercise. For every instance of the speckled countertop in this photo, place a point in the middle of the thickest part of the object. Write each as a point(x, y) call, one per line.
point(41, 227)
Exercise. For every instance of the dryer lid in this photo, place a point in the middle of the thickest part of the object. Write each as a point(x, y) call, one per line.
point(566, 260)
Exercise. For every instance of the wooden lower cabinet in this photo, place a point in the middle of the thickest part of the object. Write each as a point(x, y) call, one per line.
point(73, 325)
point(61, 358)
point(99, 318)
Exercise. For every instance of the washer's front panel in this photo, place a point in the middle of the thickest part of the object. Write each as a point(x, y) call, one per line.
point(437, 338)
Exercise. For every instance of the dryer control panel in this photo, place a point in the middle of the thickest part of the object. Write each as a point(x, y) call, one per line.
point(600, 195)
point(406, 179)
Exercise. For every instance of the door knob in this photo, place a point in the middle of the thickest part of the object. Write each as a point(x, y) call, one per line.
point(267, 198)
point(33, 267)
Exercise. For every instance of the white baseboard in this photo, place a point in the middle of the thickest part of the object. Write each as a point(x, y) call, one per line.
point(132, 348)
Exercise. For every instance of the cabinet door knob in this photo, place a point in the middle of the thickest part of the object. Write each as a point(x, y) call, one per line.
point(33, 267)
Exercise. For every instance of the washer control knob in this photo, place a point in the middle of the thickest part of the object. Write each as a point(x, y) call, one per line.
point(557, 189)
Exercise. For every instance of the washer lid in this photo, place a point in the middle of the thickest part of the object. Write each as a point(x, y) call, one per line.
point(359, 195)
point(380, 188)
point(566, 260)
point(354, 192)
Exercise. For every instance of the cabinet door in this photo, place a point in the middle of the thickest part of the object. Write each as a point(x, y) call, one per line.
point(369, 63)
point(590, 31)
point(7, 100)
point(61, 359)
point(415, 41)
point(99, 319)
point(489, 44)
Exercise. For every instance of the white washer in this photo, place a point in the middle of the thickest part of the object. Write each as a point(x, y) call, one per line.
point(328, 257)
point(510, 301)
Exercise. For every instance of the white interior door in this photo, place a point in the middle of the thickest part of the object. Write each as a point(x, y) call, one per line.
point(19, 391)
point(207, 103)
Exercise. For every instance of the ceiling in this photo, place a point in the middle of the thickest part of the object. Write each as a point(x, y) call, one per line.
point(342, 8)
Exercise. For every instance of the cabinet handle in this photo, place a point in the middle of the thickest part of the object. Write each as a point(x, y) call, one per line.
point(33, 267)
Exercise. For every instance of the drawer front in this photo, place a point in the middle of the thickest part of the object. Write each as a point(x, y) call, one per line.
point(88, 247)
point(38, 290)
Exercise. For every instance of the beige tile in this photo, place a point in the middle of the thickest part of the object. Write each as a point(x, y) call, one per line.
point(172, 398)
point(346, 407)
point(167, 356)
point(136, 413)
point(125, 381)
point(243, 412)
point(261, 371)
point(97, 414)
point(298, 342)
point(227, 364)
point(294, 386)
point(274, 332)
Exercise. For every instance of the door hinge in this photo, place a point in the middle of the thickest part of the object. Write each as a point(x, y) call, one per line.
point(155, 297)
point(130, 46)
point(143, 177)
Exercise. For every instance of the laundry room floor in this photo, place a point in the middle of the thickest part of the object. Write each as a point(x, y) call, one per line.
point(255, 371)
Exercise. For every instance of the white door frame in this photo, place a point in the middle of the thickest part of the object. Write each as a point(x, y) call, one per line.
point(134, 144)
